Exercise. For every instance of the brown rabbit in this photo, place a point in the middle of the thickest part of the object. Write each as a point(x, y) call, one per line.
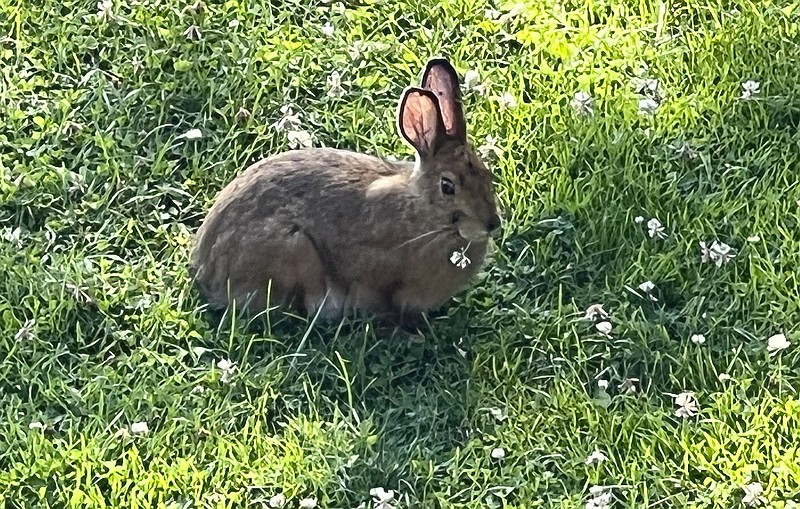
point(353, 231)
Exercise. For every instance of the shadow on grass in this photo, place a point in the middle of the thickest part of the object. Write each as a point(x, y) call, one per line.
point(406, 394)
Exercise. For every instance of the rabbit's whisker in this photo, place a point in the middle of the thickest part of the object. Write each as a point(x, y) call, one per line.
point(419, 237)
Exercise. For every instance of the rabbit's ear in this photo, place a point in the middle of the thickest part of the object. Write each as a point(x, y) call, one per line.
point(419, 120)
point(442, 78)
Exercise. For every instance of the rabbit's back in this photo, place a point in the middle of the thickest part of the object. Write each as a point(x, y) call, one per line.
point(298, 183)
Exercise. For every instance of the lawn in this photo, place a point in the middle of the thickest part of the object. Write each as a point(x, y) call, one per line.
point(622, 136)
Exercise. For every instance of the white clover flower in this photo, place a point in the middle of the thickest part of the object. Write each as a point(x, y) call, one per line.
point(105, 10)
point(226, 365)
point(596, 457)
point(289, 119)
point(327, 29)
point(192, 134)
point(753, 238)
point(655, 229)
point(647, 106)
point(37, 425)
point(472, 82)
point(137, 65)
point(228, 369)
point(498, 453)
point(718, 252)
point(698, 339)
point(25, 332)
point(603, 384)
point(753, 494)
point(501, 414)
point(684, 150)
point(594, 312)
point(13, 236)
point(750, 88)
point(507, 100)
point(335, 88)
point(724, 377)
point(604, 328)
point(601, 499)
point(648, 87)
point(140, 428)
point(459, 258)
point(472, 79)
point(582, 103)
point(638, 219)
point(777, 343)
point(233, 23)
point(308, 503)
point(647, 287)
point(381, 498)
point(687, 405)
point(277, 501)
point(193, 33)
point(489, 150)
point(299, 139)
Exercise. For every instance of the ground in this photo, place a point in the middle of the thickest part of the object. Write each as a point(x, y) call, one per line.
point(120, 121)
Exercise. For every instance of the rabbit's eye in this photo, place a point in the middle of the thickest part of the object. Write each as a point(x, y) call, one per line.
point(448, 187)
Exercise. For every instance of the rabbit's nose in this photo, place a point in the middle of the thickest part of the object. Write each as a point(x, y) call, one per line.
point(494, 223)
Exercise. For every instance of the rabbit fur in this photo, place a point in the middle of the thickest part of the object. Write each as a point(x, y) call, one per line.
point(344, 230)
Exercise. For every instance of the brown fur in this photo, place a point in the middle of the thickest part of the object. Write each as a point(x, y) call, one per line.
point(355, 230)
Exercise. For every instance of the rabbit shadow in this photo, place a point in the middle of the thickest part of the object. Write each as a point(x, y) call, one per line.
point(404, 390)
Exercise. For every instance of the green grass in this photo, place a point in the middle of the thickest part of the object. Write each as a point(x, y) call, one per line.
point(100, 327)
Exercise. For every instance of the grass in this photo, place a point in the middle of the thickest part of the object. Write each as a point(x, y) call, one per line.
point(100, 327)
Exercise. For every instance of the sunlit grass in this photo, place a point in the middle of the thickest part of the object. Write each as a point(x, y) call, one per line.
point(102, 190)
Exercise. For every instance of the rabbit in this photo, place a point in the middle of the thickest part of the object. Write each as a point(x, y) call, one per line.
point(324, 231)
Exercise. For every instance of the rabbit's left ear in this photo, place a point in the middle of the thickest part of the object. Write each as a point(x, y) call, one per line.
point(419, 120)
point(442, 79)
